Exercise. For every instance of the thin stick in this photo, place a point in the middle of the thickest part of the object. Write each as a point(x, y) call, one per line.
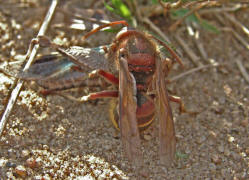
point(237, 36)
point(191, 71)
point(147, 21)
point(18, 87)
point(242, 69)
point(234, 8)
point(243, 42)
point(240, 65)
point(155, 28)
point(195, 59)
point(237, 23)
point(201, 48)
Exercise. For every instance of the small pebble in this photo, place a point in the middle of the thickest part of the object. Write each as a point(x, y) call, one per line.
point(225, 173)
point(212, 167)
point(235, 156)
point(45, 147)
point(201, 139)
point(31, 163)
point(247, 151)
point(222, 100)
point(216, 159)
point(231, 139)
point(21, 171)
point(211, 142)
point(2, 162)
point(25, 153)
point(244, 122)
point(212, 134)
point(221, 148)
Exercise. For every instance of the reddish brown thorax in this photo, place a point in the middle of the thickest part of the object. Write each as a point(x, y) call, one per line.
point(136, 48)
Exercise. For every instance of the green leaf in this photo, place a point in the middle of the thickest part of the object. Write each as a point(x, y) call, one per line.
point(181, 155)
point(119, 8)
point(112, 30)
point(179, 13)
point(206, 25)
point(109, 8)
point(185, 1)
point(172, 1)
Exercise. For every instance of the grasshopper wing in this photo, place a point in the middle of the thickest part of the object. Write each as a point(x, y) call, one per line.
point(58, 72)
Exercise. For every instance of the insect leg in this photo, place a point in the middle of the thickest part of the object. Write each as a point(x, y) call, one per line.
point(167, 64)
point(174, 55)
point(178, 100)
point(101, 94)
point(106, 75)
point(91, 96)
point(99, 72)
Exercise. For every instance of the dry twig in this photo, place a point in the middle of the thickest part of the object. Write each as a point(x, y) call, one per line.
point(237, 23)
point(191, 71)
point(228, 29)
point(201, 48)
point(155, 28)
point(18, 87)
point(223, 9)
point(147, 21)
point(237, 36)
point(201, 5)
point(196, 37)
point(241, 40)
point(240, 65)
point(195, 59)
point(167, 5)
point(242, 69)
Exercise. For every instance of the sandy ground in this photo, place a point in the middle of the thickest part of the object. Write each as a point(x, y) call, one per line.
point(52, 137)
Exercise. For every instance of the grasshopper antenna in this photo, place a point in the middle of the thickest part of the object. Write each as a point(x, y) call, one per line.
point(104, 26)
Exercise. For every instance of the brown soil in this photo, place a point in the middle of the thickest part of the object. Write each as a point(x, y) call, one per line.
point(69, 139)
